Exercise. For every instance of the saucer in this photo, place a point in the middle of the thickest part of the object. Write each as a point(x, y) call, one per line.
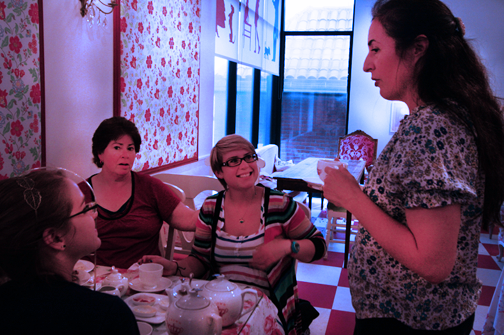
point(163, 284)
point(83, 265)
point(83, 276)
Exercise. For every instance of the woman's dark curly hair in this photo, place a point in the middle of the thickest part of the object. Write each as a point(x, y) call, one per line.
point(110, 130)
point(450, 71)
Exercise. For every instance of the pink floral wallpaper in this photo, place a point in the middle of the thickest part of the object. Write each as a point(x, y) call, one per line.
point(160, 78)
point(20, 87)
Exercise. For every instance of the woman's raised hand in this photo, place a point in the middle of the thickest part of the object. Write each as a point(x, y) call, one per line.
point(340, 187)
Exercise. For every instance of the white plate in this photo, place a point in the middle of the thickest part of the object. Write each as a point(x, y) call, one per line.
point(160, 314)
point(84, 265)
point(163, 284)
point(83, 276)
point(315, 182)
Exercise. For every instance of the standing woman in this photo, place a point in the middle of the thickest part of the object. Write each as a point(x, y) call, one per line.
point(440, 179)
point(45, 228)
point(131, 206)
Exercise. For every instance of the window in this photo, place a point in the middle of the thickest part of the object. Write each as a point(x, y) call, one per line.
point(304, 110)
point(315, 88)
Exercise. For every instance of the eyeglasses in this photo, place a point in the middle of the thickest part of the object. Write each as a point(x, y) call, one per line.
point(91, 206)
point(235, 161)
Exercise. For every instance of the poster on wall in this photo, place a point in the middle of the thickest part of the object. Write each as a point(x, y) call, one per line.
point(20, 88)
point(272, 19)
point(158, 65)
point(251, 37)
point(226, 28)
point(248, 32)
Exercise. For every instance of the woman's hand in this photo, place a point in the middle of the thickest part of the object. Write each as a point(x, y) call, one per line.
point(169, 266)
point(340, 187)
point(270, 253)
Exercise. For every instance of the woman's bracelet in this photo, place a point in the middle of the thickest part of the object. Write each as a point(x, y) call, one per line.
point(178, 269)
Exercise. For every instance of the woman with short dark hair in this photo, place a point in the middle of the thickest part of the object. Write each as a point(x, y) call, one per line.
point(131, 206)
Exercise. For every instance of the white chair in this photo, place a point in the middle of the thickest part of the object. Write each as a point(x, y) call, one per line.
point(269, 153)
point(192, 186)
point(167, 233)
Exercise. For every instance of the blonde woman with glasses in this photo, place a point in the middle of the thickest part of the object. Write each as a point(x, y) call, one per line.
point(251, 234)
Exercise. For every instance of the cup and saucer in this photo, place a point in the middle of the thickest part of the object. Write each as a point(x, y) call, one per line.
point(150, 279)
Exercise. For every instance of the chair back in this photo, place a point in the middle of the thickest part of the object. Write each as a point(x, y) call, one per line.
point(358, 145)
point(192, 185)
point(269, 153)
point(167, 233)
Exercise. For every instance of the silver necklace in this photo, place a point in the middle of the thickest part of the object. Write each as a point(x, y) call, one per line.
point(242, 219)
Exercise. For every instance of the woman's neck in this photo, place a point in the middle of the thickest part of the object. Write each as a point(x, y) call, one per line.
point(112, 179)
point(240, 195)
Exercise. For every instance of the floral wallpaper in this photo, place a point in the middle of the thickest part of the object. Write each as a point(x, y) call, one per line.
point(160, 77)
point(20, 87)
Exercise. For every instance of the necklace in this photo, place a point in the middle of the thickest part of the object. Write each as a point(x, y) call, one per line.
point(242, 219)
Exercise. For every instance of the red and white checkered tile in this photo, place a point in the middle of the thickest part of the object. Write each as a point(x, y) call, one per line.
point(324, 283)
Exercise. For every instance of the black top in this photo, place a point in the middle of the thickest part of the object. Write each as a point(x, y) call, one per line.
point(62, 307)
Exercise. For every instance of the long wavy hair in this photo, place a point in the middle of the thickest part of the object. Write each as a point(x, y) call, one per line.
point(451, 72)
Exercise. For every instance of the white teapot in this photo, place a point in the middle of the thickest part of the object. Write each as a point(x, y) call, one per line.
point(116, 280)
point(228, 298)
point(192, 314)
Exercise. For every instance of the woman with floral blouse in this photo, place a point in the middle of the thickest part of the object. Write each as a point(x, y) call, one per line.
point(412, 269)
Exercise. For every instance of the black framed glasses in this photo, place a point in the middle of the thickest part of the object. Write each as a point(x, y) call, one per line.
point(91, 206)
point(235, 161)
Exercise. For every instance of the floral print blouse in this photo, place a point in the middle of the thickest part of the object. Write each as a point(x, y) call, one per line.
point(431, 161)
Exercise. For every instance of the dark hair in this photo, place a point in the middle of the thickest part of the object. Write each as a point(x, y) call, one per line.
point(451, 72)
point(23, 252)
point(224, 145)
point(110, 130)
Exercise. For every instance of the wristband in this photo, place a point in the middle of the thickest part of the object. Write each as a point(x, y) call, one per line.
point(294, 247)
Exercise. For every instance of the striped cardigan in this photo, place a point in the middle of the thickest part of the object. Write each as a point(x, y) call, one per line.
point(283, 218)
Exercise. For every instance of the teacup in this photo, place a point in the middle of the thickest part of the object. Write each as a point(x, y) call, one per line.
point(323, 163)
point(112, 290)
point(150, 274)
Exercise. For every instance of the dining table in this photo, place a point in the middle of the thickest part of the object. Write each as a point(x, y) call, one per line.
point(300, 176)
point(262, 318)
point(303, 177)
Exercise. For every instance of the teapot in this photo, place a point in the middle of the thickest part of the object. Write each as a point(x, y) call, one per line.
point(192, 314)
point(228, 298)
point(116, 280)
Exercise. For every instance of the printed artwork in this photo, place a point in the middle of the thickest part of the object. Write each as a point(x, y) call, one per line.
point(248, 32)
point(20, 87)
point(160, 78)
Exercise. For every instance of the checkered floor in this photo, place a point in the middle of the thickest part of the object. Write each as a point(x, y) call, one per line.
point(324, 283)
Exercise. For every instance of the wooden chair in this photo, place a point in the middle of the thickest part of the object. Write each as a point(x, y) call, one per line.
point(167, 233)
point(192, 187)
point(354, 146)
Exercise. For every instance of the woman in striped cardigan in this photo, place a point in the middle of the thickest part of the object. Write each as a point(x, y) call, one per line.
point(251, 234)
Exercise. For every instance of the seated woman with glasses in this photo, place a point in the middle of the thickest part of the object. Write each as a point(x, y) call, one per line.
point(251, 234)
point(45, 228)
